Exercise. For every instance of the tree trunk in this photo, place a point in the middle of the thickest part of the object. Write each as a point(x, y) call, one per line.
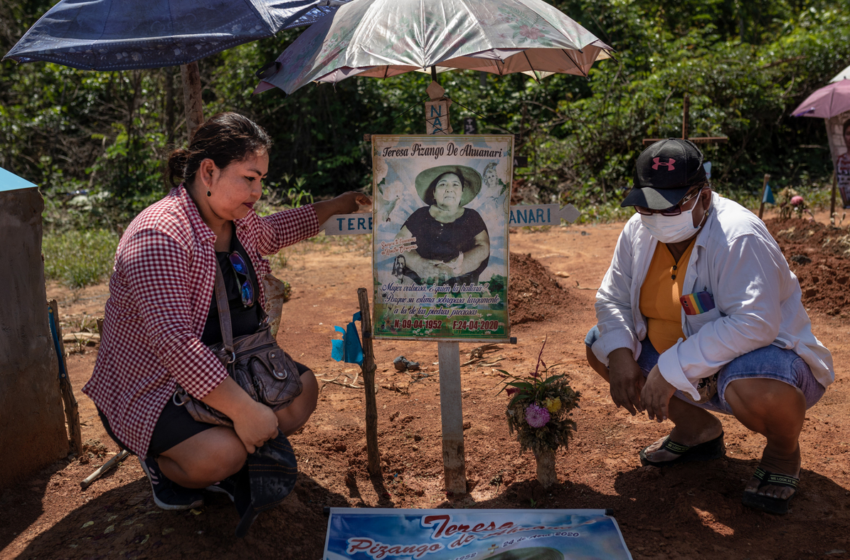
point(546, 474)
point(169, 105)
point(192, 101)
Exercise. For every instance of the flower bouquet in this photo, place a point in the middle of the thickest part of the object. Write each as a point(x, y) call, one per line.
point(539, 412)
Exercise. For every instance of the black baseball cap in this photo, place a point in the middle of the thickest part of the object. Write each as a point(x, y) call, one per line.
point(664, 173)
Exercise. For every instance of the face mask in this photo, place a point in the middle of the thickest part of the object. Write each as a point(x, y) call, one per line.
point(672, 229)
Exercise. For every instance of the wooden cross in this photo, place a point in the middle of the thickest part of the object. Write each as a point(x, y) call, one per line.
point(686, 115)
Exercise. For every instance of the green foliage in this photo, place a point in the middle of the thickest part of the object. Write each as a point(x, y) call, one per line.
point(79, 258)
point(745, 66)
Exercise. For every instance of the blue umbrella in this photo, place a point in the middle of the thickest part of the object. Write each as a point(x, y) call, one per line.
point(135, 34)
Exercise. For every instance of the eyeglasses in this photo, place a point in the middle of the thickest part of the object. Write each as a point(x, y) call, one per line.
point(241, 269)
point(674, 210)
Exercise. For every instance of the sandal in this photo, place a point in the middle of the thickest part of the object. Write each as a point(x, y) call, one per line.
point(713, 449)
point(776, 506)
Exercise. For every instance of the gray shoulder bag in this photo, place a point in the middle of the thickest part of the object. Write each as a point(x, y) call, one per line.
point(254, 361)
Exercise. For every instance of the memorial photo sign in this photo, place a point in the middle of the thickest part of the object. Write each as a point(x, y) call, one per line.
point(440, 244)
point(451, 534)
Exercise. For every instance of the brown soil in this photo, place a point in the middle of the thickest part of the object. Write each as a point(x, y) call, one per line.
point(819, 255)
point(686, 512)
point(534, 293)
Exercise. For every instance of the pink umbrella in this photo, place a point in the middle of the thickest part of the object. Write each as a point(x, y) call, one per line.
point(826, 102)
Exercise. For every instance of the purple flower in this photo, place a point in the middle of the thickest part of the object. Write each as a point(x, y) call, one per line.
point(536, 415)
point(511, 391)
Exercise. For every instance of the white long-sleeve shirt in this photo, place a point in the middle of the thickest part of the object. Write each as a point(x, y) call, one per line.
point(757, 299)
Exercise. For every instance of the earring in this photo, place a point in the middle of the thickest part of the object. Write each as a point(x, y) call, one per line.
point(209, 193)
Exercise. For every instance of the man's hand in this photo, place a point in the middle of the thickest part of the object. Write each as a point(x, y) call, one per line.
point(626, 380)
point(656, 395)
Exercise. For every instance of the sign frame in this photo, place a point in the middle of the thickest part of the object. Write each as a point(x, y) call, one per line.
point(456, 530)
point(458, 141)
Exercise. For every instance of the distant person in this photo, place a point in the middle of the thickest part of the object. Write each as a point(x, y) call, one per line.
point(161, 314)
point(842, 168)
point(453, 245)
point(699, 313)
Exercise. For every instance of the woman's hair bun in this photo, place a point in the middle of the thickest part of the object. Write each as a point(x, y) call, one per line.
point(224, 138)
point(177, 165)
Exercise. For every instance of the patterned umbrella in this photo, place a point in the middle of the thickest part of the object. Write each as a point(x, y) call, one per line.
point(827, 102)
point(382, 38)
point(133, 34)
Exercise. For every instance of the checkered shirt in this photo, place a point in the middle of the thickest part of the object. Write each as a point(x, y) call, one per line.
point(159, 298)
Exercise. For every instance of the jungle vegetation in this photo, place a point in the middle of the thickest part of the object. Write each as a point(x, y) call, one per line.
point(744, 64)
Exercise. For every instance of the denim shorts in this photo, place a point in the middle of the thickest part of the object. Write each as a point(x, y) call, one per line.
point(770, 362)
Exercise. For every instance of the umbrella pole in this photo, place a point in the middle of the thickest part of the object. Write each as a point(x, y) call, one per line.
point(192, 101)
point(434, 77)
point(832, 199)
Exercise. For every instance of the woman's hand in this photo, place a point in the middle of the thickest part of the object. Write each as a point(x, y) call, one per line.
point(435, 269)
point(346, 203)
point(255, 425)
point(253, 422)
point(656, 395)
point(626, 380)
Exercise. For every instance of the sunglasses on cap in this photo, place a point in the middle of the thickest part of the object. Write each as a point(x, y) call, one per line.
point(674, 210)
point(246, 290)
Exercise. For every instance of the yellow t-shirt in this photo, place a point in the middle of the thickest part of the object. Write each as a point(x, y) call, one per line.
point(659, 297)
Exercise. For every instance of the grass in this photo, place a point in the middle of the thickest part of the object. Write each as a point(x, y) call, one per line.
point(79, 258)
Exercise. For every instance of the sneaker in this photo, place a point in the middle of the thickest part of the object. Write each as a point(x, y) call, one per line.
point(167, 494)
point(226, 486)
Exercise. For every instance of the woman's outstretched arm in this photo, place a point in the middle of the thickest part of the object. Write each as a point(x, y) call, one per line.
point(288, 227)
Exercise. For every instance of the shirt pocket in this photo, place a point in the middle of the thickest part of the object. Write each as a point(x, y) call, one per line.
point(696, 322)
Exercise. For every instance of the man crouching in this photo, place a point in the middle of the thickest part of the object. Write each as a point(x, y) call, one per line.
point(699, 304)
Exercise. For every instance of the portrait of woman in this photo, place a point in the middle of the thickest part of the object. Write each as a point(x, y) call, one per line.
point(453, 245)
point(842, 168)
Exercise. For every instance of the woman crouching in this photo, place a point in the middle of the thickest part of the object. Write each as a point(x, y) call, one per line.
point(162, 315)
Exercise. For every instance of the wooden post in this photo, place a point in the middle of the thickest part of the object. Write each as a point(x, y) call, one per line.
point(686, 123)
point(368, 370)
point(832, 199)
point(120, 456)
point(192, 101)
point(763, 192)
point(451, 405)
point(72, 412)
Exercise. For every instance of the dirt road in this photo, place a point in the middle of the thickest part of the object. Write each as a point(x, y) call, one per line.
point(686, 512)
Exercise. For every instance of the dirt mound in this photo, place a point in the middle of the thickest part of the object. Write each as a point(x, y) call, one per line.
point(820, 257)
point(534, 293)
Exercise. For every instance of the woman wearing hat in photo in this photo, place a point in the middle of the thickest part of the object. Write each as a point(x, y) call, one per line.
point(699, 313)
point(453, 246)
